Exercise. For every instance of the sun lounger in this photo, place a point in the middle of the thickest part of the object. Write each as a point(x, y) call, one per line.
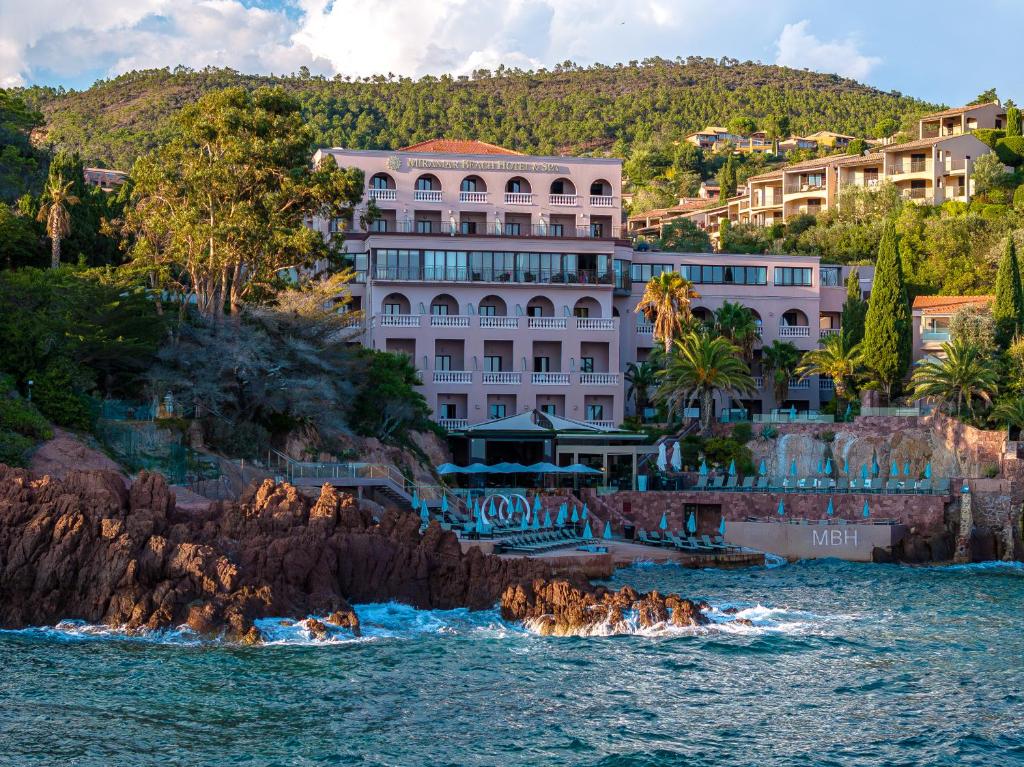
point(748, 483)
point(762, 483)
point(701, 483)
point(843, 486)
point(706, 540)
point(719, 483)
point(924, 486)
point(943, 486)
point(697, 545)
point(731, 484)
point(892, 486)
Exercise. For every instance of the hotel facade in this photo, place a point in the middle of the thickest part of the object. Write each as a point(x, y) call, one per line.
point(508, 281)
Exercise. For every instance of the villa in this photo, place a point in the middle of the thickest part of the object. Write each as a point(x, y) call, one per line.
point(931, 316)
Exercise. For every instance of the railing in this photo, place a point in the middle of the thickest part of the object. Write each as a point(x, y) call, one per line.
point(399, 320)
point(646, 328)
point(759, 382)
point(935, 335)
point(427, 195)
point(913, 166)
point(602, 201)
point(798, 188)
point(453, 424)
point(547, 323)
point(917, 194)
point(758, 330)
point(599, 379)
point(453, 376)
point(472, 196)
point(825, 332)
point(382, 194)
point(601, 424)
point(490, 321)
point(901, 412)
point(562, 199)
point(495, 228)
point(549, 379)
point(468, 274)
point(785, 416)
point(518, 198)
point(826, 384)
point(794, 331)
point(595, 323)
point(503, 378)
point(449, 321)
point(799, 383)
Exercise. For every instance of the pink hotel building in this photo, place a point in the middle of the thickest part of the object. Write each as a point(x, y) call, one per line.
point(506, 278)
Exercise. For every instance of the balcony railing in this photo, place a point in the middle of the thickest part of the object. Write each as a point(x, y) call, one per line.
point(427, 195)
point(399, 320)
point(917, 194)
point(449, 321)
point(794, 331)
point(505, 323)
point(518, 198)
point(510, 230)
point(549, 379)
point(453, 424)
point(472, 196)
point(595, 323)
point(935, 336)
point(382, 194)
point(907, 166)
point(503, 378)
point(826, 384)
point(599, 379)
point(567, 200)
point(826, 332)
point(602, 424)
point(602, 201)
point(492, 322)
point(468, 274)
point(645, 328)
point(804, 187)
point(758, 382)
point(453, 376)
point(547, 323)
point(797, 383)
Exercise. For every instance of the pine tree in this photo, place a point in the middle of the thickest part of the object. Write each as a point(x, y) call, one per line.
point(1008, 307)
point(887, 331)
point(854, 310)
point(1013, 126)
point(726, 179)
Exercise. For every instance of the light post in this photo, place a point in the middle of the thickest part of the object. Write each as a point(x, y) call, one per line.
point(30, 382)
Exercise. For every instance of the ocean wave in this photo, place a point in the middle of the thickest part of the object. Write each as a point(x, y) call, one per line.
point(989, 566)
point(77, 630)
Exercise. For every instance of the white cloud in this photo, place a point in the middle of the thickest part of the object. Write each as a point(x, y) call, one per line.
point(797, 47)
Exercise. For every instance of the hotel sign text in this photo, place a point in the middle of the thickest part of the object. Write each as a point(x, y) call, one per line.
point(527, 167)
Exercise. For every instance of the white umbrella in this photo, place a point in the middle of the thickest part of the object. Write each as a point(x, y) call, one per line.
point(662, 457)
point(677, 457)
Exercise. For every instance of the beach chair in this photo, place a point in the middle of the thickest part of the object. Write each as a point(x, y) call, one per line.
point(701, 483)
point(656, 538)
point(762, 484)
point(706, 540)
point(892, 486)
point(924, 486)
point(748, 483)
point(697, 545)
point(843, 486)
point(642, 537)
point(731, 484)
point(719, 483)
point(943, 486)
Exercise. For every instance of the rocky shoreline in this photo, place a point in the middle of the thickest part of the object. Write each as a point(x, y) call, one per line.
point(86, 547)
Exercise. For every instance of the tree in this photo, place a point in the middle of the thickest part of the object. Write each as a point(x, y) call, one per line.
point(1010, 411)
point(1008, 306)
point(855, 309)
point(1013, 125)
point(641, 377)
point(887, 329)
point(985, 97)
point(666, 304)
point(736, 323)
point(973, 325)
point(388, 404)
point(777, 127)
point(780, 362)
point(988, 172)
point(963, 374)
point(742, 126)
point(53, 210)
point(838, 359)
point(220, 209)
point(885, 127)
point(697, 367)
point(684, 236)
point(857, 146)
point(727, 179)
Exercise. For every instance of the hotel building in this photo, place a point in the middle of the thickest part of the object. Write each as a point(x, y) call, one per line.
point(507, 281)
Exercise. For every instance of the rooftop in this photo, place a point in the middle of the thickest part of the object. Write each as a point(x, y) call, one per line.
point(960, 110)
point(457, 146)
point(948, 304)
point(922, 143)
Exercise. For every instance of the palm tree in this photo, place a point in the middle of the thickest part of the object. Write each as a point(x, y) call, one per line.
point(962, 375)
point(641, 377)
point(736, 323)
point(697, 367)
point(780, 361)
point(837, 359)
point(666, 304)
point(1010, 411)
point(56, 200)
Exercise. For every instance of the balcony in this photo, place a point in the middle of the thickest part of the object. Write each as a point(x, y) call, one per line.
point(427, 195)
point(518, 198)
point(645, 328)
point(453, 376)
point(382, 194)
point(449, 321)
point(798, 384)
point(502, 323)
point(922, 195)
point(502, 378)
point(595, 323)
point(472, 196)
point(547, 323)
point(453, 424)
point(935, 336)
point(602, 201)
point(494, 228)
point(907, 166)
point(758, 382)
point(564, 200)
point(399, 320)
point(826, 332)
point(805, 187)
point(794, 331)
point(599, 379)
point(826, 384)
point(601, 424)
point(483, 274)
point(549, 379)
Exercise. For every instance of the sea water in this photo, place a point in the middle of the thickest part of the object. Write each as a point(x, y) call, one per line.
point(844, 664)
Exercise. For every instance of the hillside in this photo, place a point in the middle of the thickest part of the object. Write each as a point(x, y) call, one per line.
point(568, 109)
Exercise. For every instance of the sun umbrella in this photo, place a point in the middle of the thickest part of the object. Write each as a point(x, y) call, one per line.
point(663, 524)
point(677, 457)
point(662, 457)
point(894, 470)
point(721, 527)
point(536, 505)
point(782, 508)
point(575, 516)
point(828, 465)
point(874, 467)
point(547, 518)
point(928, 470)
point(424, 512)
point(444, 503)
point(906, 468)
point(587, 535)
point(829, 510)
point(763, 468)
point(492, 513)
point(536, 523)
point(703, 468)
point(863, 471)
point(415, 498)
point(732, 468)
point(820, 467)
point(867, 511)
point(607, 534)
point(846, 466)
point(691, 523)
point(560, 519)
point(849, 411)
point(584, 514)
point(524, 522)
point(792, 412)
point(792, 468)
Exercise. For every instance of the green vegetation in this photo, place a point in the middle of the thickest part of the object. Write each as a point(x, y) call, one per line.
point(666, 304)
point(684, 236)
point(839, 359)
point(780, 361)
point(962, 376)
point(855, 310)
point(887, 331)
point(1008, 306)
point(22, 427)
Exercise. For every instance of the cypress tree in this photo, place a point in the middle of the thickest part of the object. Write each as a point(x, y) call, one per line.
point(854, 309)
point(887, 331)
point(1013, 126)
point(1008, 307)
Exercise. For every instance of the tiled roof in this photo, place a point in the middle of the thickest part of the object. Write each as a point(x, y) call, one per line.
point(958, 110)
point(948, 304)
point(921, 143)
point(815, 163)
point(457, 146)
point(652, 213)
point(866, 159)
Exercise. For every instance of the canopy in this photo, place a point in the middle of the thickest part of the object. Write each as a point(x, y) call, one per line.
point(662, 458)
point(663, 524)
point(607, 534)
point(691, 523)
point(677, 457)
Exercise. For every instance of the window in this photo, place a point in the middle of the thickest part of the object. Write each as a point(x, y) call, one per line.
point(548, 409)
point(557, 230)
point(467, 227)
point(586, 364)
point(448, 410)
point(541, 364)
point(395, 264)
point(789, 275)
point(581, 311)
point(597, 189)
point(515, 186)
point(488, 310)
point(495, 410)
point(595, 412)
point(439, 310)
point(512, 229)
point(443, 362)
point(644, 272)
point(380, 225)
point(379, 182)
point(337, 225)
point(492, 363)
point(558, 187)
point(424, 227)
point(468, 185)
point(597, 230)
point(534, 311)
point(830, 276)
point(392, 308)
point(424, 184)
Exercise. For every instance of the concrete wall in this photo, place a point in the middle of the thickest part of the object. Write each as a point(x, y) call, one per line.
point(851, 542)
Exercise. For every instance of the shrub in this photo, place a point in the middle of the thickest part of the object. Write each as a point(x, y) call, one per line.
point(20, 417)
point(991, 471)
point(56, 394)
point(721, 451)
point(826, 436)
point(769, 432)
point(14, 448)
point(1011, 150)
point(743, 432)
point(989, 136)
point(1018, 199)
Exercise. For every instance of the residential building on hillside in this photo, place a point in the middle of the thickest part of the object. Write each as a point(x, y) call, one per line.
point(106, 179)
point(795, 143)
point(933, 170)
point(931, 318)
point(954, 122)
point(830, 139)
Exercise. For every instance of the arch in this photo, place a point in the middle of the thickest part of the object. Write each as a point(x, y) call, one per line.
point(587, 307)
point(600, 188)
point(444, 303)
point(563, 185)
point(428, 182)
point(540, 306)
point(793, 318)
point(615, 311)
point(382, 181)
point(702, 314)
point(518, 185)
point(497, 303)
point(472, 184)
point(398, 300)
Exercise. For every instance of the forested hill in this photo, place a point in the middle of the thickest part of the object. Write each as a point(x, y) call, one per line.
point(566, 110)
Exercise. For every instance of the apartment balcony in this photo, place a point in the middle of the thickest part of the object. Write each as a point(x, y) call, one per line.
point(472, 196)
point(490, 322)
point(449, 320)
point(549, 379)
point(563, 200)
point(501, 378)
point(646, 329)
point(398, 320)
point(518, 198)
point(802, 188)
point(918, 195)
point(794, 331)
point(496, 229)
point(826, 332)
point(935, 336)
point(797, 384)
point(453, 424)
point(826, 384)
point(453, 376)
point(599, 379)
point(427, 195)
point(908, 166)
point(601, 424)
point(547, 323)
point(382, 194)
point(758, 382)
point(595, 323)
point(501, 323)
point(602, 201)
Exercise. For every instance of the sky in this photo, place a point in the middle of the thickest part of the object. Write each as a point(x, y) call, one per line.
point(942, 51)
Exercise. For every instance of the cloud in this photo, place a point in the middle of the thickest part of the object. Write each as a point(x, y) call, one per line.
point(796, 47)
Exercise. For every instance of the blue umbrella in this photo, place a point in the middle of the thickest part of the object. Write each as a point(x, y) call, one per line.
point(928, 470)
point(867, 511)
point(444, 504)
point(524, 523)
point(536, 522)
point(492, 514)
point(560, 519)
point(607, 534)
point(547, 519)
point(721, 527)
point(732, 468)
point(846, 467)
point(536, 504)
point(782, 508)
point(792, 468)
point(906, 468)
point(828, 465)
point(863, 471)
point(575, 516)
point(664, 522)
point(703, 468)
point(763, 468)
point(415, 498)
point(587, 535)
point(691, 523)
point(849, 411)
point(829, 510)
point(966, 488)
point(792, 412)
point(584, 514)
point(820, 468)
point(874, 467)
point(894, 470)
point(424, 512)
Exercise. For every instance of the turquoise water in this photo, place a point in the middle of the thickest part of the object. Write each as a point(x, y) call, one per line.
point(846, 665)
